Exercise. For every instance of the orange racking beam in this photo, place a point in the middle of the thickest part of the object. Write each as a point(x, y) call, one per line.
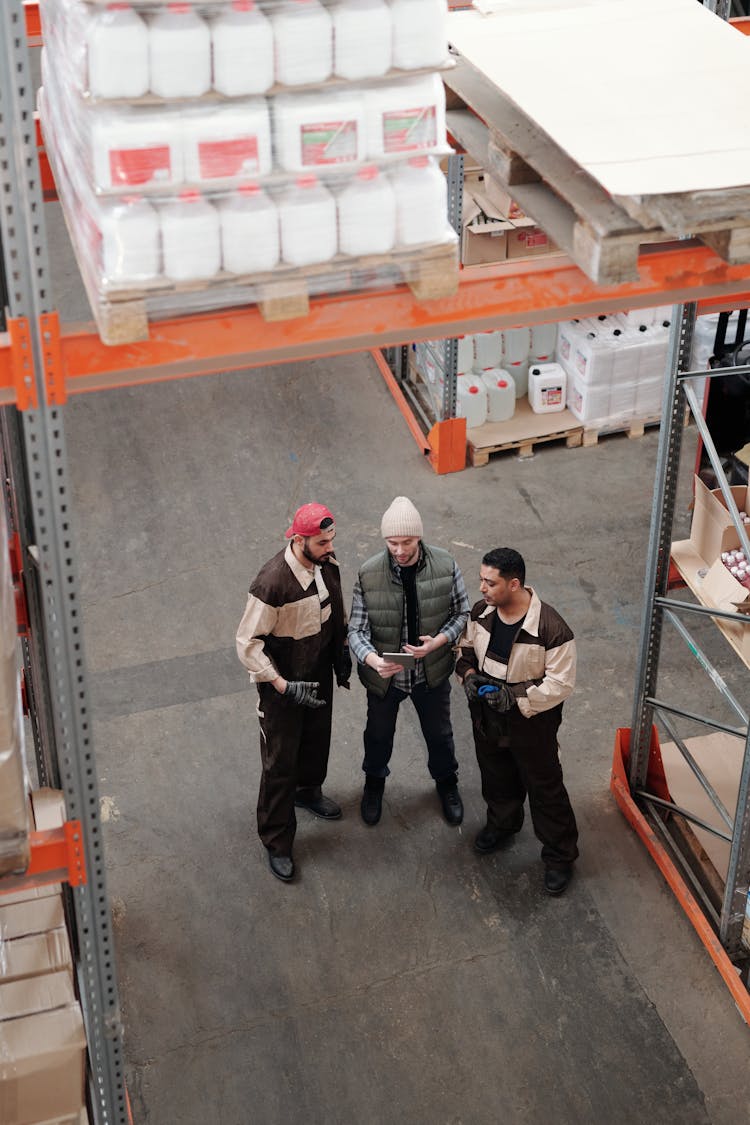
point(488, 297)
point(621, 792)
point(56, 857)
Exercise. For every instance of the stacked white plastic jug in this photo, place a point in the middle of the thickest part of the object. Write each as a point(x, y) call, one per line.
point(180, 186)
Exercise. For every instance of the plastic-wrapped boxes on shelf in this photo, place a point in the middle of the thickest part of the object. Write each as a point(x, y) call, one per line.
point(188, 188)
point(162, 51)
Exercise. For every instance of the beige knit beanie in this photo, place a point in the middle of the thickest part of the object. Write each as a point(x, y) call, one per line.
point(401, 519)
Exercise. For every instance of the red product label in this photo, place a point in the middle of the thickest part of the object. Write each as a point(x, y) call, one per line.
point(538, 238)
point(329, 142)
point(565, 347)
point(552, 396)
point(219, 159)
point(405, 130)
point(132, 166)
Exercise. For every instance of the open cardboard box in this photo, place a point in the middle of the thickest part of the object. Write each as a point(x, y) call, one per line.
point(722, 590)
point(712, 530)
point(484, 229)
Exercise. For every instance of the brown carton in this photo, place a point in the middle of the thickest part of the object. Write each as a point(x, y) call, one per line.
point(484, 230)
point(35, 955)
point(36, 916)
point(42, 1066)
point(36, 994)
point(527, 240)
point(712, 530)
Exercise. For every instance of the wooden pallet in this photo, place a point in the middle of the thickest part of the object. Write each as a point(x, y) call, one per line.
point(603, 235)
point(122, 315)
point(631, 427)
point(523, 432)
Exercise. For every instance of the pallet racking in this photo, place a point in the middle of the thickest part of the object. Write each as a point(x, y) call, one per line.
point(42, 362)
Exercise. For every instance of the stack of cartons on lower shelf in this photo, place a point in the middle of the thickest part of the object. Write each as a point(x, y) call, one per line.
point(42, 1039)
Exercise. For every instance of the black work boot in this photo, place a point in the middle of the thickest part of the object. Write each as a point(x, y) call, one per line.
point(450, 799)
point(371, 805)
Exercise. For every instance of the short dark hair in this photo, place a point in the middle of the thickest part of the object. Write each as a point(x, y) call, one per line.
point(507, 562)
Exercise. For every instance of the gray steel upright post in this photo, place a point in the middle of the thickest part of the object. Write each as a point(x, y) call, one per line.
point(660, 539)
point(25, 253)
point(450, 347)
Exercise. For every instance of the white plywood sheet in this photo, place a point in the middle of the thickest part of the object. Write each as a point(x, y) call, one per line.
point(649, 96)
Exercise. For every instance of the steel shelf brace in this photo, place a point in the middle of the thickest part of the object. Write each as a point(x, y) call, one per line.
point(37, 459)
point(644, 758)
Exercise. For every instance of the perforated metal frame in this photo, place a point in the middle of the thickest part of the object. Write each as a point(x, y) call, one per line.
point(27, 279)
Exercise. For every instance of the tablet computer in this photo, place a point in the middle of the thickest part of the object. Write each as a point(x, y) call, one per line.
point(405, 659)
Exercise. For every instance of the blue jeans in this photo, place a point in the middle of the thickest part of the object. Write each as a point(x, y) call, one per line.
point(434, 710)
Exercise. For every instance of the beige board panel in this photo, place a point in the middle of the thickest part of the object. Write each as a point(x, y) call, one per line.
point(524, 424)
point(621, 86)
point(720, 759)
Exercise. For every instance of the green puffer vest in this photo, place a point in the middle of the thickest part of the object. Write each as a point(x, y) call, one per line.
point(384, 598)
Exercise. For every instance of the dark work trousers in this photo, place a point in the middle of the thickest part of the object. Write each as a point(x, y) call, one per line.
point(433, 707)
point(526, 762)
point(294, 745)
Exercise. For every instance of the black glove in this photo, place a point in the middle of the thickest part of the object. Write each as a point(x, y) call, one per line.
point(472, 684)
point(344, 673)
point(304, 692)
point(501, 700)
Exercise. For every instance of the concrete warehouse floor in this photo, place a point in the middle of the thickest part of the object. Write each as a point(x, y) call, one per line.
point(402, 978)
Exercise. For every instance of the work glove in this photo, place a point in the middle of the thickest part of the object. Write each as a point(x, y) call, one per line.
point(304, 693)
point(498, 697)
point(472, 684)
point(344, 673)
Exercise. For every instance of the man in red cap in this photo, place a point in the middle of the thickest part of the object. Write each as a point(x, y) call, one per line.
point(292, 641)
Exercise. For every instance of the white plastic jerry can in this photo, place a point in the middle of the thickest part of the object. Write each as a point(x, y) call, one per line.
point(130, 240)
point(421, 202)
point(303, 42)
point(242, 46)
point(191, 240)
point(117, 49)
point(501, 394)
point(547, 388)
point(471, 399)
point(249, 230)
point(367, 214)
point(420, 33)
point(307, 215)
point(362, 33)
point(179, 52)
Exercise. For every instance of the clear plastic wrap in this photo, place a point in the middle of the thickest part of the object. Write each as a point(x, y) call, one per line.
point(206, 200)
point(161, 149)
point(230, 48)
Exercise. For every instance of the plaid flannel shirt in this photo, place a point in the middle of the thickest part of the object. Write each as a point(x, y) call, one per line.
point(359, 626)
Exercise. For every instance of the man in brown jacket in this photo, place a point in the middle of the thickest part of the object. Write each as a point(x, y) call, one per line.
point(517, 663)
point(292, 641)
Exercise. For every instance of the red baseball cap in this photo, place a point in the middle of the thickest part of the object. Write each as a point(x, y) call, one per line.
point(308, 520)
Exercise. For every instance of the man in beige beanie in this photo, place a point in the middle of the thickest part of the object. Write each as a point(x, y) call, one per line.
point(408, 599)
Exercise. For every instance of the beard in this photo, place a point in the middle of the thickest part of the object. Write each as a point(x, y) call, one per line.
point(310, 557)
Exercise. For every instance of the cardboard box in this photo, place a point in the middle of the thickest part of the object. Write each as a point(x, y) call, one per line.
point(35, 955)
point(42, 1066)
point(36, 916)
point(11, 897)
point(49, 808)
point(722, 590)
point(712, 530)
point(527, 240)
point(35, 994)
point(484, 229)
